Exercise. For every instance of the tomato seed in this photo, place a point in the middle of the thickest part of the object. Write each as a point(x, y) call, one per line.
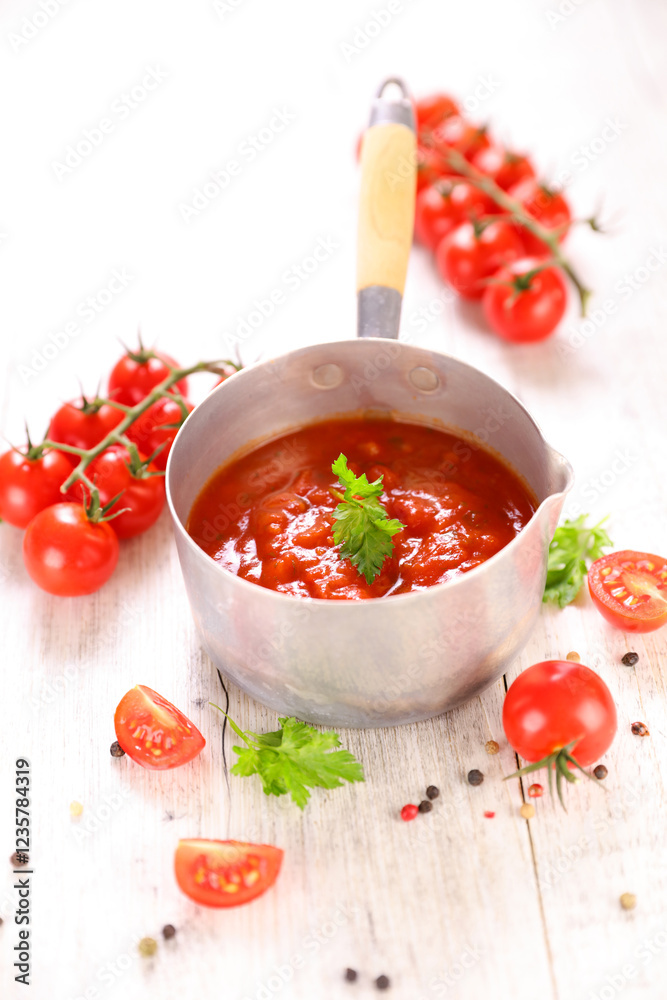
point(425, 806)
point(382, 982)
point(628, 900)
point(475, 777)
point(75, 809)
point(168, 931)
point(432, 792)
point(536, 791)
point(639, 729)
point(351, 975)
point(630, 659)
point(409, 812)
point(492, 747)
point(600, 772)
point(116, 749)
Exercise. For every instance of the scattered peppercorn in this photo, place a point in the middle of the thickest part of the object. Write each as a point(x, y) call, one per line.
point(18, 862)
point(489, 814)
point(351, 975)
point(475, 777)
point(536, 791)
point(574, 657)
point(432, 792)
point(1, 921)
point(116, 749)
point(527, 810)
point(492, 747)
point(425, 806)
point(628, 900)
point(630, 659)
point(75, 809)
point(639, 729)
point(147, 947)
point(168, 931)
point(409, 812)
point(600, 772)
point(382, 982)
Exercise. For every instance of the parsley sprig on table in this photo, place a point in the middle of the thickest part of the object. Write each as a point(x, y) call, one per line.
point(294, 758)
point(573, 543)
point(362, 527)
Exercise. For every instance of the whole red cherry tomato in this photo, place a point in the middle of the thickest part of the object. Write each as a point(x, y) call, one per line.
point(474, 252)
point(547, 206)
point(66, 553)
point(504, 167)
point(629, 589)
point(158, 425)
point(443, 206)
point(82, 424)
point(525, 302)
point(430, 111)
point(142, 494)
point(137, 372)
point(430, 167)
point(28, 485)
point(459, 134)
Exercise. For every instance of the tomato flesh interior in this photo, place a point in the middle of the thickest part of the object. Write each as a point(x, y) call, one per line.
point(153, 732)
point(630, 590)
point(224, 873)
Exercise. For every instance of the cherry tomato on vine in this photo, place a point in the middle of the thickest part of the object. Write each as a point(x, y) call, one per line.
point(82, 424)
point(459, 134)
point(158, 425)
point(554, 703)
point(142, 494)
point(225, 872)
point(137, 372)
point(431, 111)
point(430, 167)
point(29, 485)
point(441, 207)
point(474, 252)
point(629, 589)
point(505, 168)
point(524, 302)
point(66, 553)
point(153, 732)
point(548, 207)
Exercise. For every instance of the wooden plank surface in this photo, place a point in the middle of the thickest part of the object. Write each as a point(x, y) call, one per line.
point(454, 905)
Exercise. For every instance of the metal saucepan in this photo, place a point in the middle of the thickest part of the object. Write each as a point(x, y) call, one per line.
point(400, 658)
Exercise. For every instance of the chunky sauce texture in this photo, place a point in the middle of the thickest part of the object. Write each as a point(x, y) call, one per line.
point(267, 516)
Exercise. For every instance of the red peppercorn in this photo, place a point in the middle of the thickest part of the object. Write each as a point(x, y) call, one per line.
point(536, 791)
point(489, 814)
point(409, 812)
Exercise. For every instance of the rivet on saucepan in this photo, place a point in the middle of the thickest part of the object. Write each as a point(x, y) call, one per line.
point(424, 379)
point(327, 376)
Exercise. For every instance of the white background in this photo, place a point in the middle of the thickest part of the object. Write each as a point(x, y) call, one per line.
point(548, 79)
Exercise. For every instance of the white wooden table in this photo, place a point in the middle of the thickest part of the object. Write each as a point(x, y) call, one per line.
point(455, 904)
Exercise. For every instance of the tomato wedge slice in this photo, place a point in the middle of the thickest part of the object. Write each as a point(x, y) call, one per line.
point(630, 590)
point(225, 872)
point(153, 732)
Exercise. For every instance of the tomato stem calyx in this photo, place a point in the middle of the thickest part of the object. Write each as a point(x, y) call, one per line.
point(557, 761)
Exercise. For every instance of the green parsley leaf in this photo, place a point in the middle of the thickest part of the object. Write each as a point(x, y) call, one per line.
point(294, 758)
point(362, 528)
point(574, 543)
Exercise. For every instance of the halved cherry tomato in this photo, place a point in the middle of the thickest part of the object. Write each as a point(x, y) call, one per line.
point(158, 425)
point(522, 306)
point(153, 732)
point(505, 168)
point(443, 206)
point(474, 252)
point(82, 424)
point(430, 111)
point(133, 377)
point(629, 589)
point(225, 872)
point(29, 485)
point(66, 553)
point(547, 206)
point(459, 134)
point(554, 703)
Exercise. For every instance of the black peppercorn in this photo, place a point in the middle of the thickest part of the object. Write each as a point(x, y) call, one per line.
point(600, 772)
point(630, 659)
point(168, 931)
point(425, 806)
point(116, 749)
point(475, 777)
point(350, 975)
point(432, 792)
point(382, 982)
point(639, 729)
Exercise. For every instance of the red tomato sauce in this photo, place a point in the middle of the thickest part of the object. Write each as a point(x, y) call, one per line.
point(267, 516)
